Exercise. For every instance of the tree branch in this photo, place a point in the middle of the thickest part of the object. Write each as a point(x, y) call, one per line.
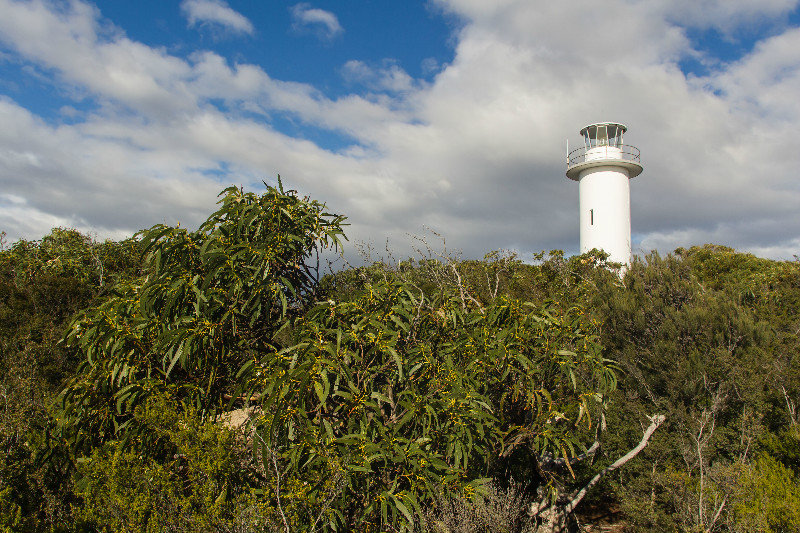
point(655, 421)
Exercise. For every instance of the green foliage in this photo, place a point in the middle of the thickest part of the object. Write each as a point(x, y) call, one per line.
point(209, 301)
point(192, 477)
point(784, 446)
point(708, 337)
point(552, 277)
point(413, 397)
point(33, 465)
point(42, 284)
point(767, 498)
point(683, 343)
point(398, 399)
point(10, 513)
point(770, 290)
point(497, 510)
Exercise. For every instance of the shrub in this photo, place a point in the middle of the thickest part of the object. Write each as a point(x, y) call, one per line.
point(191, 475)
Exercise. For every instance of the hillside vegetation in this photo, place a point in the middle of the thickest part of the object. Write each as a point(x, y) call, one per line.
point(429, 395)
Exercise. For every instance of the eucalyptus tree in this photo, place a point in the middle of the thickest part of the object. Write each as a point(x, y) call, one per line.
point(209, 301)
point(388, 402)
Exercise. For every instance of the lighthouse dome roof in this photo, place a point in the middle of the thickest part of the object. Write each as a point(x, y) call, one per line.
point(591, 129)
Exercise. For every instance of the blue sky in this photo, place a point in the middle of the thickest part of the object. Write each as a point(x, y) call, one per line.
point(449, 115)
point(413, 37)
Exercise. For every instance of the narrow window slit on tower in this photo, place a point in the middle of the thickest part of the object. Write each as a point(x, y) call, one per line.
point(591, 217)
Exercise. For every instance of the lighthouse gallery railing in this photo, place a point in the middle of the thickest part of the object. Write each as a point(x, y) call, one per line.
point(625, 152)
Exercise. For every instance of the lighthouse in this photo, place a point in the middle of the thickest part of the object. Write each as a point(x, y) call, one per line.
point(603, 167)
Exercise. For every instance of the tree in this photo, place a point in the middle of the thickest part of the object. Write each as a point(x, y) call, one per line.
point(395, 394)
point(707, 337)
point(43, 283)
point(407, 398)
point(209, 301)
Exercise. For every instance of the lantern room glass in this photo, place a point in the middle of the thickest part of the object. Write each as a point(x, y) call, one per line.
point(603, 135)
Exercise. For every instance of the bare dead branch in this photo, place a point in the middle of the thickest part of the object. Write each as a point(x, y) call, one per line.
point(655, 422)
point(790, 406)
point(718, 513)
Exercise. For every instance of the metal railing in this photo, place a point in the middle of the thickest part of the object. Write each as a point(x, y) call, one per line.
point(625, 152)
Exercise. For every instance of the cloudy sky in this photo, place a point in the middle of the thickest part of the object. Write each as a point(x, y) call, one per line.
point(448, 114)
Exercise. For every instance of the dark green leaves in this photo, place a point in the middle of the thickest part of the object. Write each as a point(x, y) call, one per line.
point(414, 397)
point(210, 299)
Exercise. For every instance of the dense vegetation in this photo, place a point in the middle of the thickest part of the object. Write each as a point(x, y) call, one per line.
point(429, 395)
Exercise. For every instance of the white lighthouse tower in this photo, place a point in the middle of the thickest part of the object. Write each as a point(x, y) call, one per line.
point(602, 167)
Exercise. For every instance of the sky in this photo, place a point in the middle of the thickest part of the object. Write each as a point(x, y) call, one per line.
point(414, 118)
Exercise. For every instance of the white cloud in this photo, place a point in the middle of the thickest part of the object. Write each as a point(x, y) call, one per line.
point(389, 77)
point(216, 12)
point(767, 80)
point(94, 56)
point(70, 175)
point(724, 15)
point(323, 23)
point(430, 65)
point(476, 154)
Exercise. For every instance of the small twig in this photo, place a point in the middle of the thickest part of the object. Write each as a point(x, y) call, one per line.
point(278, 489)
point(548, 462)
point(274, 461)
point(338, 484)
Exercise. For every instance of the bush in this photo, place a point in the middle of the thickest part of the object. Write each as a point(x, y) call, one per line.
point(768, 498)
point(417, 398)
point(497, 510)
point(192, 475)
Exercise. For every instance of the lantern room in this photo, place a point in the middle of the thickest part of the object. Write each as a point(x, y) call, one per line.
point(604, 134)
point(603, 142)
